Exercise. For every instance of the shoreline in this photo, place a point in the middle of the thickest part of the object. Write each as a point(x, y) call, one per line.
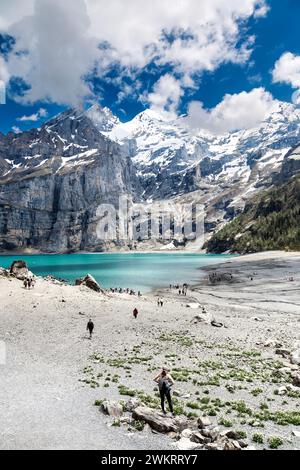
point(51, 370)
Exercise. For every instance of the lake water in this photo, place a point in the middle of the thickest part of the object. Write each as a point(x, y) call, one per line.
point(138, 271)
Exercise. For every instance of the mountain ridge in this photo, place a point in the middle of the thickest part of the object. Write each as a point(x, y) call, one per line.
point(149, 158)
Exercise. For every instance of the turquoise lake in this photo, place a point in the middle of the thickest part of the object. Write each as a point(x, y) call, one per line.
point(138, 271)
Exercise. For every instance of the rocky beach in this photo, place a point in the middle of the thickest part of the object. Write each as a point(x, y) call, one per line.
point(232, 345)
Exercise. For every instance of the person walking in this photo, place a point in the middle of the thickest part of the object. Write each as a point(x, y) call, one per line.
point(135, 313)
point(90, 327)
point(165, 382)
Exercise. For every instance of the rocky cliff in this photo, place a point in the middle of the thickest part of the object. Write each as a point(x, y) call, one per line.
point(52, 179)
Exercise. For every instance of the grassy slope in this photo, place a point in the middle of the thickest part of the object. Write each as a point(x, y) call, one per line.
point(270, 221)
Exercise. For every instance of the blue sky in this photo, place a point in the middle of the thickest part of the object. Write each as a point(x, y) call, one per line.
point(166, 64)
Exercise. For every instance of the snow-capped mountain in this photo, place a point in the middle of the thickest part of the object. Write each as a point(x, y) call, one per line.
point(53, 178)
point(172, 148)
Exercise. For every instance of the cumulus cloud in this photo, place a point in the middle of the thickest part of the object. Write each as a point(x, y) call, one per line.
point(42, 112)
point(287, 70)
point(239, 111)
point(16, 130)
point(57, 42)
point(166, 96)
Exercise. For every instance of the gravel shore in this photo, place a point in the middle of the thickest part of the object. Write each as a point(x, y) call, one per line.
point(54, 373)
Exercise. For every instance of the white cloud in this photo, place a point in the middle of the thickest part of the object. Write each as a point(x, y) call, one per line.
point(287, 70)
point(61, 39)
point(16, 129)
point(35, 116)
point(239, 111)
point(166, 96)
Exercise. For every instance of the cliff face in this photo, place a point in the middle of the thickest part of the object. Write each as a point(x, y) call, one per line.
point(48, 199)
point(53, 179)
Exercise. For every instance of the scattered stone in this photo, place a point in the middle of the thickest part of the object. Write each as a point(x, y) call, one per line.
point(155, 419)
point(112, 408)
point(216, 324)
point(132, 404)
point(296, 433)
point(186, 444)
point(19, 269)
point(296, 379)
point(243, 444)
point(126, 420)
point(199, 319)
point(281, 390)
point(173, 435)
point(187, 433)
point(178, 393)
point(203, 422)
point(193, 305)
point(198, 438)
point(282, 352)
point(273, 343)
point(256, 319)
point(212, 433)
point(231, 445)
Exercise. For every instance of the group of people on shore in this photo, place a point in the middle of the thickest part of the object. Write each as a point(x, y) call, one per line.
point(121, 290)
point(29, 283)
point(182, 290)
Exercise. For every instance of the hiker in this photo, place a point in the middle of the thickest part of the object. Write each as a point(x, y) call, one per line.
point(135, 312)
point(25, 283)
point(158, 302)
point(161, 303)
point(90, 327)
point(165, 382)
point(139, 294)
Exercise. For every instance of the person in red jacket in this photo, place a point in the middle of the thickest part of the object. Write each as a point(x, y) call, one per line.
point(135, 312)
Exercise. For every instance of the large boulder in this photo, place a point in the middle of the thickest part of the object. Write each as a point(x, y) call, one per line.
point(112, 408)
point(156, 420)
point(19, 269)
point(90, 282)
point(204, 422)
point(4, 272)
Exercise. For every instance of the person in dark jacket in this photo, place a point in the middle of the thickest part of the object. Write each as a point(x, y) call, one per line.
point(135, 312)
point(90, 327)
point(165, 382)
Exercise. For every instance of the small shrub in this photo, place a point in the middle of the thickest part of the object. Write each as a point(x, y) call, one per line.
point(275, 442)
point(258, 438)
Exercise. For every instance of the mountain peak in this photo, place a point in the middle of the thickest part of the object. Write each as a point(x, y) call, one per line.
point(102, 117)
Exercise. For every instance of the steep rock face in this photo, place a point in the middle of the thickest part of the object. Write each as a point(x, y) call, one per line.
point(52, 205)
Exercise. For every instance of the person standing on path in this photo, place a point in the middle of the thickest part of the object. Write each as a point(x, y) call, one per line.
point(90, 327)
point(165, 382)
